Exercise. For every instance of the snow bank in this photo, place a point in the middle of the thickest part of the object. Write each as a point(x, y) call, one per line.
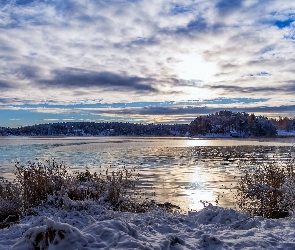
point(285, 133)
point(211, 228)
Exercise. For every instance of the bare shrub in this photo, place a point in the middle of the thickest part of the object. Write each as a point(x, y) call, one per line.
point(110, 186)
point(10, 204)
point(49, 181)
point(267, 187)
point(37, 180)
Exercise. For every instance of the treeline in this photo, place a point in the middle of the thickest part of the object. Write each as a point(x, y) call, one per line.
point(98, 129)
point(286, 123)
point(240, 123)
point(223, 122)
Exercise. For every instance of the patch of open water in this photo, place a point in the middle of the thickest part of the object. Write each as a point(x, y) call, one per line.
point(179, 170)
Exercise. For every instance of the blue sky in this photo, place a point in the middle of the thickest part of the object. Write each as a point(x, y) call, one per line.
point(144, 60)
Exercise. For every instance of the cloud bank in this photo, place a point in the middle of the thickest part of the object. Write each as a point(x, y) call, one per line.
point(92, 52)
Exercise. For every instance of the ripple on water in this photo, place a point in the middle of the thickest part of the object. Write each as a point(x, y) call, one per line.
point(179, 171)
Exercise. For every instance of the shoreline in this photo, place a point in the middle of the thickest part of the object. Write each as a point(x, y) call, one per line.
point(207, 136)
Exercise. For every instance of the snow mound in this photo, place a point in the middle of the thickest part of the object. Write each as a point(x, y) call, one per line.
point(115, 233)
point(54, 235)
point(216, 215)
point(225, 216)
point(211, 228)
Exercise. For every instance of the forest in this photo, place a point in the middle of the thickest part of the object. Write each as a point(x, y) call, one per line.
point(240, 123)
point(224, 122)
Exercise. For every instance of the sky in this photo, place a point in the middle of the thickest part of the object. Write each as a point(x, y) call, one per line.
point(144, 61)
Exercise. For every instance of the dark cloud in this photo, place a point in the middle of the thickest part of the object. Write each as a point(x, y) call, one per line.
point(191, 110)
point(73, 78)
point(28, 72)
point(225, 7)
point(153, 110)
point(237, 89)
point(5, 85)
point(176, 110)
point(285, 88)
point(289, 86)
point(21, 72)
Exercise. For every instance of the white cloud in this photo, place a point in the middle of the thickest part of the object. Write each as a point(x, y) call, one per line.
point(167, 42)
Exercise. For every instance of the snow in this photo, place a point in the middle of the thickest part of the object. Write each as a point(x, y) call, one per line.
point(98, 228)
point(285, 133)
point(212, 135)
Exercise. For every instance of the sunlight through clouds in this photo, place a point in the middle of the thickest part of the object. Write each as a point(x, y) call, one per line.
point(147, 51)
point(193, 67)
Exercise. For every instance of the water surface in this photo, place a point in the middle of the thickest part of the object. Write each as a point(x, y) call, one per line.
point(179, 170)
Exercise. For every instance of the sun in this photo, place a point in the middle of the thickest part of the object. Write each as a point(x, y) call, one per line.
point(194, 67)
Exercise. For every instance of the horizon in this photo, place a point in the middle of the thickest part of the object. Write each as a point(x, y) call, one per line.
point(144, 61)
point(142, 123)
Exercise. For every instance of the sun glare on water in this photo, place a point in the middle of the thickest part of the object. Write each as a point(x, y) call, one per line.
point(199, 198)
point(196, 194)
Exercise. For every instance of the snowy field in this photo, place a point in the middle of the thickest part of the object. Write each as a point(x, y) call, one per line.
point(97, 228)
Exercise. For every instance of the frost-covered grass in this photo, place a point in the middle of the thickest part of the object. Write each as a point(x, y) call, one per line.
point(49, 182)
point(267, 187)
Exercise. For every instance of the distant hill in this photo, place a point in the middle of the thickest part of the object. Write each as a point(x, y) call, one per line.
point(235, 123)
point(223, 122)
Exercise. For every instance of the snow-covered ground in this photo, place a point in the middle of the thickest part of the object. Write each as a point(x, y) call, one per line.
point(98, 228)
point(228, 135)
point(212, 135)
point(286, 133)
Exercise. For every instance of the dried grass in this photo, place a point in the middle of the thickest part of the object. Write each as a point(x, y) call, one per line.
point(10, 202)
point(266, 188)
point(50, 182)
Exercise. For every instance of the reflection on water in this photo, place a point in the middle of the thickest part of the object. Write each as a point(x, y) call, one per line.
point(178, 170)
